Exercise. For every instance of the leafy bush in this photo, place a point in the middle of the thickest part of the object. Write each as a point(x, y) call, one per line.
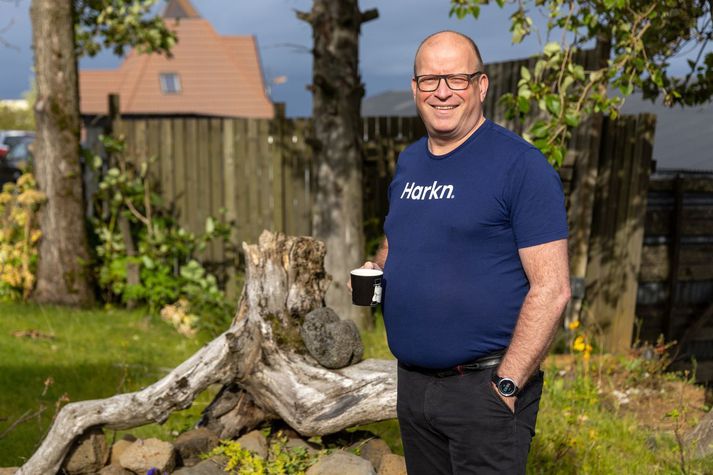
point(19, 237)
point(144, 255)
point(280, 460)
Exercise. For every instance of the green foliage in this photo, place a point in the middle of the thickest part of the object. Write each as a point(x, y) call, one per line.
point(641, 38)
point(119, 24)
point(12, 118)
point(130, 213)
point(280, 460)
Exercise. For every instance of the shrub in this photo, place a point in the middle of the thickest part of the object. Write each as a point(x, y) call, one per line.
point(144, 255)
point(19, 237)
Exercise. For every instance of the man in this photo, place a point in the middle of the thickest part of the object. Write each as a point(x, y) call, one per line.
point(475, 274)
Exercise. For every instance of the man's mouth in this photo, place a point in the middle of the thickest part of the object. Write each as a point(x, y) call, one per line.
point(444, 108)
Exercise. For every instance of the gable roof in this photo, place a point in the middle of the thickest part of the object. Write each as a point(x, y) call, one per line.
point(180, 9)
point(219, 76)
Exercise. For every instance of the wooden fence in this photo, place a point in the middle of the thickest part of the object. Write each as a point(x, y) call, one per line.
point(675, 293)
point(260, 172)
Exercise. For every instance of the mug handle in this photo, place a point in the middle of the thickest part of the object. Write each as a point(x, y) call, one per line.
point(376, 299)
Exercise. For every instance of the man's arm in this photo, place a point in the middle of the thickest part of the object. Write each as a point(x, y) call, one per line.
point(382, 253)
point(547, 269)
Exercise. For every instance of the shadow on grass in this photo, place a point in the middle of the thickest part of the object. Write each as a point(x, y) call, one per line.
point(29, 389)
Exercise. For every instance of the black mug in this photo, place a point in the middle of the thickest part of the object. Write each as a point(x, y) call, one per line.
point(366, 287)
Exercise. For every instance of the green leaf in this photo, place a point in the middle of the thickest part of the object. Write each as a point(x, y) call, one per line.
point(571, 118)
point(554, 106)
point(209, 225)
point(147, 262)
point(523, 105)
point(626, 89)
point(525, 73)
point(551, 48)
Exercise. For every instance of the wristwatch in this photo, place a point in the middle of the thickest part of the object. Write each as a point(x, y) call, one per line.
point(506, 386)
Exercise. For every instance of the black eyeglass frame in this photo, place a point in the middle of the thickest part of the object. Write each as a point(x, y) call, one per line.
point(445, 77)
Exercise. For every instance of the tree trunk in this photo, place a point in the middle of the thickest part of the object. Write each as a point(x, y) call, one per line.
point(62, 275)
point(337, 144)
point(262, 379)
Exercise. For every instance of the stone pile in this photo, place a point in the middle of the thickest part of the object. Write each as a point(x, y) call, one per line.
point(131, 456)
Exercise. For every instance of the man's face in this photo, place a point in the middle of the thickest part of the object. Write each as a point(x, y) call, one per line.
point(449, 115)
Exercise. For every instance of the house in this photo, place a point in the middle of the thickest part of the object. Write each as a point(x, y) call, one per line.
point(208, 74)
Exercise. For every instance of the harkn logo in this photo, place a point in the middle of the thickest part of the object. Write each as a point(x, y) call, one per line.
point(427, 192)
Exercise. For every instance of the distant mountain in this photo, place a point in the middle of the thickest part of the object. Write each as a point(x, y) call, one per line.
point(683, 141)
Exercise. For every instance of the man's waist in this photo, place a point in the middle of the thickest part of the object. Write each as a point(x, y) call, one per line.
point(485, 362)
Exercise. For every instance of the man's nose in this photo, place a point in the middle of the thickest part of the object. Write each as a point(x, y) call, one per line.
point(443, 91)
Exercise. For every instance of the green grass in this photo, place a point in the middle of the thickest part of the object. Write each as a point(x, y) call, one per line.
point(93, 354)
point(98, 353)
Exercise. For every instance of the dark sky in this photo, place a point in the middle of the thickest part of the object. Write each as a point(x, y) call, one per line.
point(387, 44)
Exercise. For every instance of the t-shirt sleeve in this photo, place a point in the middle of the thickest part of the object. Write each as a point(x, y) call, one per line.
point(536, 197)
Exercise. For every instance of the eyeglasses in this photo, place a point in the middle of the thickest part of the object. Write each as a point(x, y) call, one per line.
point(455, 82)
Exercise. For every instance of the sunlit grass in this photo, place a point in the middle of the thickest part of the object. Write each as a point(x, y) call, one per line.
point(79, 355)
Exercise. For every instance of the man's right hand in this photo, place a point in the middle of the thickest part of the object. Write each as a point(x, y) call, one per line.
point(366, 265)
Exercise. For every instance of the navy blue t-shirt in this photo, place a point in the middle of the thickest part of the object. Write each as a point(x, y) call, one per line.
point(453, 280)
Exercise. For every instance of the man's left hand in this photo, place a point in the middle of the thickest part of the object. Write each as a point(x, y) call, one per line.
point(509, 401)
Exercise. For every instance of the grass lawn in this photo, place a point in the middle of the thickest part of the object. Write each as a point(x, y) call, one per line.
point(51, 354)
point(583, 427)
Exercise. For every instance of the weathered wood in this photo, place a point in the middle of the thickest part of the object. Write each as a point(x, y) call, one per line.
point(285, 280)
point(696, 221)
point(675, 254)
point(217, 199)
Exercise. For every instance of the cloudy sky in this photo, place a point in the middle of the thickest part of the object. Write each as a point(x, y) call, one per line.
point(387, 43)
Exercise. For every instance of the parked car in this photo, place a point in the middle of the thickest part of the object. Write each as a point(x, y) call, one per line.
point(18, 155)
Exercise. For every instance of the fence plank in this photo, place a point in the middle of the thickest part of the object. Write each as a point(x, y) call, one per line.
point(180, 189)
point(167, 160)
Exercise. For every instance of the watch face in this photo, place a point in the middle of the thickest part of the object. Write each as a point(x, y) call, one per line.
point(507, 387)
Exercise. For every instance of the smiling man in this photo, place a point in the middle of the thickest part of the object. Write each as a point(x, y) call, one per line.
point(475, 273)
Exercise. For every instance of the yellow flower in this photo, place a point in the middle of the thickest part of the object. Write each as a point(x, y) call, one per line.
point(579, 344)
point(26, 180)
point(5, 198)
point(31, 197)
point(573, 325)
point(35, 235)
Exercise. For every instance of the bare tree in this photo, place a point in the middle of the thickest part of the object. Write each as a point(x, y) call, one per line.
point(337, 143)
point(62, 275)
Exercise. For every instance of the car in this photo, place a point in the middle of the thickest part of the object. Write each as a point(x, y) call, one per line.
point(17, 156)
point(11, 137)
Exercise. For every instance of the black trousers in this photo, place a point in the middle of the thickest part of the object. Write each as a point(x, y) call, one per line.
point(459, 424)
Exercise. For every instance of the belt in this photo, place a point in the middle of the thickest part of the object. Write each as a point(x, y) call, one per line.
point(485, 362)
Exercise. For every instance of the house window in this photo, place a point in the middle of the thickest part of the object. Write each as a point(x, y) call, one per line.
point(170, 83)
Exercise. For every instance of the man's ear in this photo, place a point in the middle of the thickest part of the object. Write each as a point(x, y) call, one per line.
point(413, 88)
point(484, 84)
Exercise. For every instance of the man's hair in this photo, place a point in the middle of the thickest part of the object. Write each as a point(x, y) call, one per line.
point(465, 37)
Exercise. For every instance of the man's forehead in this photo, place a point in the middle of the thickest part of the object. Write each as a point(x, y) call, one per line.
point(445, 49)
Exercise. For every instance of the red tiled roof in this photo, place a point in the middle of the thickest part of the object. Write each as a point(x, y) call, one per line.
point(219, 76)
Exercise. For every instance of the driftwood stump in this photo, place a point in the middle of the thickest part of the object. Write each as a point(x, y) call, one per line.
point(256, 360)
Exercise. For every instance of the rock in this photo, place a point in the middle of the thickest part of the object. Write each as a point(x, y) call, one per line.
point(392, 464)
point(211, 466)
point(334, 343)
point(297, 443)
point(191, 444)
point(8, 470)
point(117, 449)
point(255, 442)
point(341, 463)
point(88, 453)
point(143, 455)
point(114, 470)
point(373, 450)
